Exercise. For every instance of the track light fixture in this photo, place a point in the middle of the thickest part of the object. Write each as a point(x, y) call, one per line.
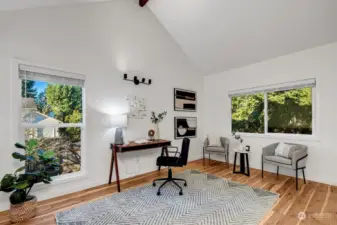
point(137, 80)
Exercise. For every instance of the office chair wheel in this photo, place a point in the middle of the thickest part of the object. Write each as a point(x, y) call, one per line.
point(154, 184)
point(185, 184)
point(158, 193)
point(181, 193)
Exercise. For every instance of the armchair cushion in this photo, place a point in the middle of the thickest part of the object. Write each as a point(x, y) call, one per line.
point(213, 140)
point(278, 159)
point(285, 150)
point(215, 149)
point(169, 161)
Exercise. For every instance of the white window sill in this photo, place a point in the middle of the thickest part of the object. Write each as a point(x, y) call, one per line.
point(285, 137)
point(63, 179)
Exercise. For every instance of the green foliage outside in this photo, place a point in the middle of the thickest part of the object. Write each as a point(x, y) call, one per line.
point(27, 89)
point(64, 101)
point(248, 113)
point(41, 103)
point(288, 112)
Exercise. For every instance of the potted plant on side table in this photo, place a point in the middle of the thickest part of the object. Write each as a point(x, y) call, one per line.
point(36, 169)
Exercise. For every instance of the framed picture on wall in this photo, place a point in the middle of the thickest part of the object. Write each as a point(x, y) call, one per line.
point(185, 127)
point(185, 100)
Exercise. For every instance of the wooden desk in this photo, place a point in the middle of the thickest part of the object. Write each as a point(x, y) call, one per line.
point(134, 147)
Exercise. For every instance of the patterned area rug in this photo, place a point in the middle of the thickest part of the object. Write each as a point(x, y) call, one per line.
point(207, 200)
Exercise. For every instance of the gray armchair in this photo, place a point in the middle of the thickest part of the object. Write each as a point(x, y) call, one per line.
point(296, 161)
point(212, 149)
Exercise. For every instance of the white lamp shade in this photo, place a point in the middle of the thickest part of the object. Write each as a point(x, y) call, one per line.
point(116, 121)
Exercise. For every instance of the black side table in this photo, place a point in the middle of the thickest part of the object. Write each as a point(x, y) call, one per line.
point(244, 161)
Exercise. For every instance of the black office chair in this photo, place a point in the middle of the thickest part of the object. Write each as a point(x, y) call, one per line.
point(174, 161)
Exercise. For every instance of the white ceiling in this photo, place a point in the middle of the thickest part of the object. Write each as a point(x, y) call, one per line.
point(8, 5)
point(218, 35)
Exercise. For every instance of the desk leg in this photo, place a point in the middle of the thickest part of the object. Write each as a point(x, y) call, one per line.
point(111, 165)
point(117, 173)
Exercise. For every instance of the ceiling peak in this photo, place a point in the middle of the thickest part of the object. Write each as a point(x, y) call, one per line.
point(142, 3)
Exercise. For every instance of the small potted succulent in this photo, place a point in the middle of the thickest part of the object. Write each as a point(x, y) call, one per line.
point(156, 119)
point(36, 169)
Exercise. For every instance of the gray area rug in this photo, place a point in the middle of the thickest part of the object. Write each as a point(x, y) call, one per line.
point(207, 200)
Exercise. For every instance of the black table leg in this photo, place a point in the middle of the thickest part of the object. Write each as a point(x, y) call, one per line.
point(242, 163)
point(248, 170)
point(234, 162)
point(244, 160)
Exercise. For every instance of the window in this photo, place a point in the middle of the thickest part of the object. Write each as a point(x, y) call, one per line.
point(52, 113)
point(290, 111)
point(248, 113)
point(283, 108)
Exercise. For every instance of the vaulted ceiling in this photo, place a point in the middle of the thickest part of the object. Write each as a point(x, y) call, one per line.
point(218, 35)
point(7, 5)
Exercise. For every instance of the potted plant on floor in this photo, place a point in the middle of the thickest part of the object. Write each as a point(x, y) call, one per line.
point(36, 169)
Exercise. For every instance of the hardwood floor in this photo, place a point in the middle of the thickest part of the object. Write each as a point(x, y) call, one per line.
point(318, 201)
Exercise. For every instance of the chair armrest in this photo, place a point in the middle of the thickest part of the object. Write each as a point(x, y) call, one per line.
point(206, 143)
point(175, 153)
point(269, 150)
point(172, 151)
point(299, 158)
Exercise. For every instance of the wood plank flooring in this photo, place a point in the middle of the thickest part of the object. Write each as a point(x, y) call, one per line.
point(318, 201)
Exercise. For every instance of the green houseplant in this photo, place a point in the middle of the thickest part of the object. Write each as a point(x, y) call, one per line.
point(38, 167)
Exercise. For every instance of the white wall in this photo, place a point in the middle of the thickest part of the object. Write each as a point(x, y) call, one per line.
point(319, 63)
point(101, 41)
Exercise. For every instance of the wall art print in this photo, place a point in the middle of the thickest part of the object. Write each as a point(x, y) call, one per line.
point(185, 100)
point(185, 127)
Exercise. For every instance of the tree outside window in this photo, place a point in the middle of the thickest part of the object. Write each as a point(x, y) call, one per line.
point(52, 114)
point(289, 112)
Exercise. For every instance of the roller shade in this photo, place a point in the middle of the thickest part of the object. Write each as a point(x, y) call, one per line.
point(274, 88)
point(51, 76)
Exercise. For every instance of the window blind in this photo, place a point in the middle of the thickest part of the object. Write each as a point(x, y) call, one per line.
point(276, 87)
point(51, 76)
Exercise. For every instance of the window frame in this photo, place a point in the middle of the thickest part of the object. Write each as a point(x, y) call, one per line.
point(17, 126)
point(267, 134)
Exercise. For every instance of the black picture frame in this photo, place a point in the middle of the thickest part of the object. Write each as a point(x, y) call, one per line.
point(190, 133)
point(179, 94)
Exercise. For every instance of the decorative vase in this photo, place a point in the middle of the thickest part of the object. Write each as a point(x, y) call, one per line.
point(24, 211)
point(157, 134)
